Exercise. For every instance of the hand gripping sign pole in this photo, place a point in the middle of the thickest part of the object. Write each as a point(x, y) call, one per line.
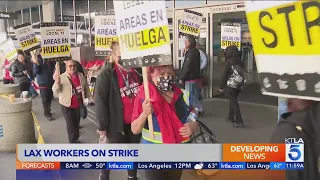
point(147, 96)
point(146, 40)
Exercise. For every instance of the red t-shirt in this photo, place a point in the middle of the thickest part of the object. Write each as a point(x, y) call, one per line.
point(74, 100)
point(128, 94)
point(7, 74)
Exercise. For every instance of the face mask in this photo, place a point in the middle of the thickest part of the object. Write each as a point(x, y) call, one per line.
point(165, 83)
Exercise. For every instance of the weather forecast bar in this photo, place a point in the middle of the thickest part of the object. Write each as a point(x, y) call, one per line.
point(162, 165)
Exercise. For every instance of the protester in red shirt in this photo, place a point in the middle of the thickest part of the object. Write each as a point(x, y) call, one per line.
point(7, 77)
point(116, 89)
point(70, 105)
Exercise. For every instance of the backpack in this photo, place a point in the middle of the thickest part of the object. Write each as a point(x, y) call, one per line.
point(237, 77)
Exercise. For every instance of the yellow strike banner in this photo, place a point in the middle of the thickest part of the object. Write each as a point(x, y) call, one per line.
point(289, 29)
point(145, 39)
point(104, 42)
point(28, 43)
point(56, 50)
point(11, 54)
point(190, 29)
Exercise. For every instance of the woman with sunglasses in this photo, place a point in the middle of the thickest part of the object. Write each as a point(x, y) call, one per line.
point(116, 88)
point(170, 109)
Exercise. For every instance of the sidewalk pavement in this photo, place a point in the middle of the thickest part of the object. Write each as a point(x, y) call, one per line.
point(259, 119)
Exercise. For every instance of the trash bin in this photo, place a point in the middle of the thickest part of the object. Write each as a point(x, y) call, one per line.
point(6, 89)
point(16, 124)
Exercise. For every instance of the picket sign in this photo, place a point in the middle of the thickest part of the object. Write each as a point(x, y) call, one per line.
point(190, 24)
point(26, 37)
point(55, 41)
point(146, 40)
point(105, 32)
point(286, 47)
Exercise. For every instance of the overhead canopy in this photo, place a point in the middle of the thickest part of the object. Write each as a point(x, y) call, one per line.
point(19, 4)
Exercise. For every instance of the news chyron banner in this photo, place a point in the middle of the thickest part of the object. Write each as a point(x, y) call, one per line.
point(286, 42)
point(9, 49)
point(105, 32)
point(55, 41)
point(230, 35)
point(190, 24)
point(143, 33)
point(26, 37)
point(286, 156)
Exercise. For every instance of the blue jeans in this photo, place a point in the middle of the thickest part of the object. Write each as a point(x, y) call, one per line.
point(192, 88)
point(32, 91)
point(282, 107)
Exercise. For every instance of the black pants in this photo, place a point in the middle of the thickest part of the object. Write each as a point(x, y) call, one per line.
point(46, 97)
point(126, 137)
point(234, 109)
point(163, 174)
point(24, 86)
point(72, 117)
point(7, 81)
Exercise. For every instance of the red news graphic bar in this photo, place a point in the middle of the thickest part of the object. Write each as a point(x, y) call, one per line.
point(37, 165)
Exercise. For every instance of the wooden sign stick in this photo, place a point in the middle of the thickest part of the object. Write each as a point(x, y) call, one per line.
point(147, 96)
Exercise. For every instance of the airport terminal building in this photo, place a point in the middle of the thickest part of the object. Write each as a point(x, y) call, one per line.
point(80, 14)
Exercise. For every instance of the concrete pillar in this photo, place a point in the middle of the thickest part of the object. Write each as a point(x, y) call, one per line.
point(9, 89)
point(3, 35)
point(16, 124)
point(48, 12)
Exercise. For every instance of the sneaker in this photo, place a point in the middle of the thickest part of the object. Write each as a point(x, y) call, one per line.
point(49, 117)
point(132, 178)
point(238, 125)
point(78, 142)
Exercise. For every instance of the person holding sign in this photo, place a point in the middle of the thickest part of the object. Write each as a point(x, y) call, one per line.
point(20, 70)
point(170, 109)
point(71, 87)
point(44, 72)
point(191, 72)
point(5, 66)
point(116, 89)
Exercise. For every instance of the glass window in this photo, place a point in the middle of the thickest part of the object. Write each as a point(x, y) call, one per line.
point(83, 25)
point(18, 20)
point(169, 3)
point(26, 15)
point(187, 3)
point(97, 5)
point(35, 14)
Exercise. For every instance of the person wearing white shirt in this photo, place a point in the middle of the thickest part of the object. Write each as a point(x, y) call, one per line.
point(203, 64)
point(203, 58)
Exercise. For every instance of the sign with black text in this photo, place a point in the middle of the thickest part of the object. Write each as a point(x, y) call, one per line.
point(230, 35)
point(26, 37)
point(9, 49)
point(105, 32)
point(190, 24)
point(55, 41)
point(287, 47)
point(143, 33)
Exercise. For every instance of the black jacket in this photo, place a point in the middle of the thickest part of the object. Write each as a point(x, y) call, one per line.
point(191, 65)
point(44, 72)
point(108, 103)
point(17, 69)
point(232, 57)
point(309, 121)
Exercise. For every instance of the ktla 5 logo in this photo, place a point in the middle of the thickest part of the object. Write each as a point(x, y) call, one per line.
point(294, 152)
